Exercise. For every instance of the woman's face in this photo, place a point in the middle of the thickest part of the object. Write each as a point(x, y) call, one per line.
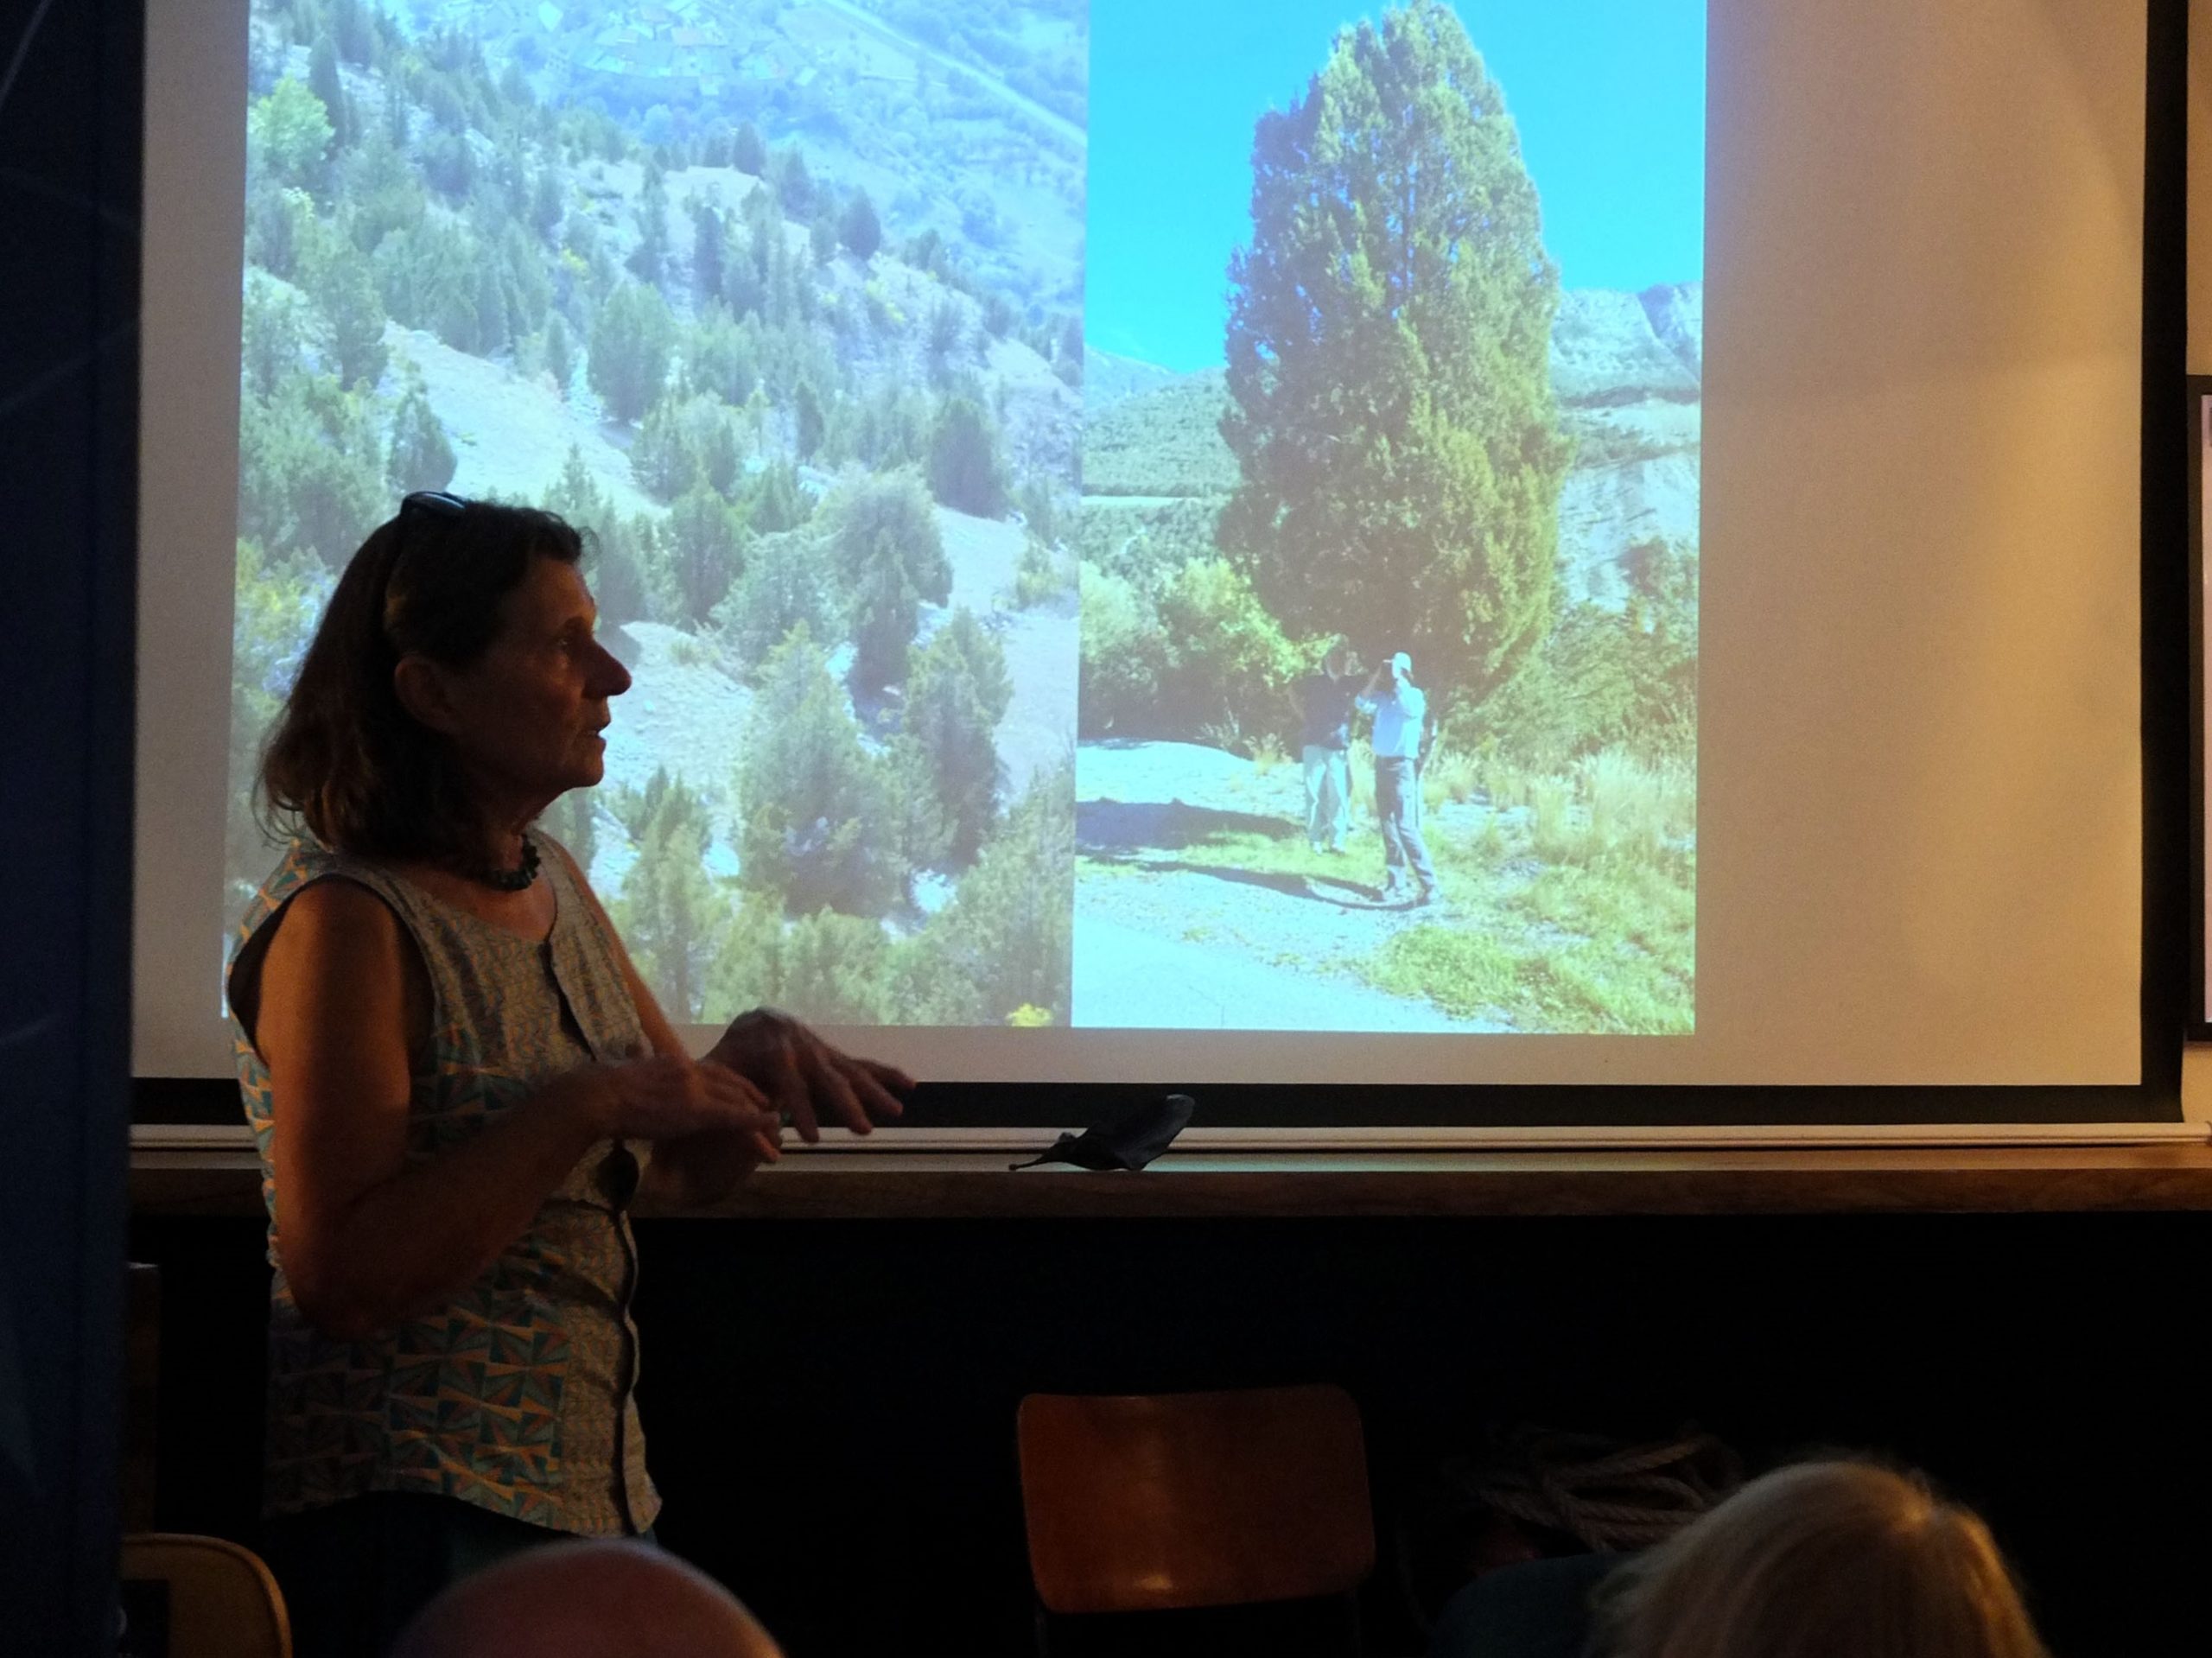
point(528, 715)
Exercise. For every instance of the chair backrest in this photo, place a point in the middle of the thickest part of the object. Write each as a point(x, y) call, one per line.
point(222, 1601)
point(1157, 1501)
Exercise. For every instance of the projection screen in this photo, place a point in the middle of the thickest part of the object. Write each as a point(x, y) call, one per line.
point(993, 421)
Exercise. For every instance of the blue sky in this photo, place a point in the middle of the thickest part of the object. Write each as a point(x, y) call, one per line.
point(1609, 96)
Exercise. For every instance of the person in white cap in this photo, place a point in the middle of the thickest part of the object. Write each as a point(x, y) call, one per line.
point(1399, 709)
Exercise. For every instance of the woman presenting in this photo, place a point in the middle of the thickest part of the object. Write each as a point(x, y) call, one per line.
point(459, 1085)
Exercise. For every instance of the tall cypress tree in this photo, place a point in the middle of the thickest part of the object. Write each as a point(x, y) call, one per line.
point(1389, 336)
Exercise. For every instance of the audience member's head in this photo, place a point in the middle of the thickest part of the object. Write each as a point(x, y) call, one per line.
point(587, 1600)
point(1824, 1559)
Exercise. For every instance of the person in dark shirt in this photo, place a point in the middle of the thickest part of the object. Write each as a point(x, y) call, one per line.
point(1324, 716)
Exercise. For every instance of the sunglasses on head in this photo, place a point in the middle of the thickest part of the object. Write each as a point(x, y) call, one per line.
point(435, 502)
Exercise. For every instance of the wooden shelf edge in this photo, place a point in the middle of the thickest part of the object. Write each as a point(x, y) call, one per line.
point(918, 1186)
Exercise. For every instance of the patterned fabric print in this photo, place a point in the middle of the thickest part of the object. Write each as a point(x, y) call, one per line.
point(517, 1395)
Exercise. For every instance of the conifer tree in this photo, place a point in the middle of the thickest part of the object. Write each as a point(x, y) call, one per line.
point(1006, 942)
point(707, 242)
point(956, 694)
point(780, 588)
point(747, 153)
point(325, 82)
point(885, 544)
point(777, 501)
point(421, 455)
point(859, 229)
point(671, 914)
point(705, 551)
point(818, 829)
point(808, 420)
point(353, 312)
point(965, 472)
point(1388, 342)
point(650, 257)
point(560, 357)
point(630, 340)
point(545, 208)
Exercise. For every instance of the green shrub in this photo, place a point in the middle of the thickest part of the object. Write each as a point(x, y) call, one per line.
point(819, 826)
point(706, 551)
point(1043, 575)
point(286, 134)
point(310, 470)
point(1004, 943)
point(273, 334)
point(831, 967)
point(431, 277)
point(661, 456)
point(1122, 654)
point(719, 358)
point(1228, 663)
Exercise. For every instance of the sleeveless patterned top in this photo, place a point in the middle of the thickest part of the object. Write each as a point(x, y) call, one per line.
point(517, 1395)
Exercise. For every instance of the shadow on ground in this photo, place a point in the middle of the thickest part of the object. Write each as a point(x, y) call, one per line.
point(1108, 826)
point(1315, 889)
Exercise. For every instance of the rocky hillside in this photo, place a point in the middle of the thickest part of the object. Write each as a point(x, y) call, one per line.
point(1627, 369)
point(1628, 372)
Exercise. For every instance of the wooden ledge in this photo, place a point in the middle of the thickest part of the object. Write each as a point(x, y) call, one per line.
point(917, 1184)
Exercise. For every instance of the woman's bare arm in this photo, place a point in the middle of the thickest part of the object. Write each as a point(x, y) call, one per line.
point(365, 1236)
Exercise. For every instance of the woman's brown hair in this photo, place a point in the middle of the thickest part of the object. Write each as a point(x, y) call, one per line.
point(345, 758)
point(1822, 1559)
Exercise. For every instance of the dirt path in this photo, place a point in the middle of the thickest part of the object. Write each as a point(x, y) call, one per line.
point(1168, 936)
point(1040, 643)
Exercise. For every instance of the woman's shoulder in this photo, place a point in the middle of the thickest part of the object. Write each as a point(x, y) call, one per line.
point(307, 867)
point(343, 901)
point(319, 916)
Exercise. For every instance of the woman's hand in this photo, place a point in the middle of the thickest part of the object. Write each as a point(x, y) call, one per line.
point(807, 1081)
point(666, 1096)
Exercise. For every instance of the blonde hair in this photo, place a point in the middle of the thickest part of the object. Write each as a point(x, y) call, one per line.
point(1823, 1559)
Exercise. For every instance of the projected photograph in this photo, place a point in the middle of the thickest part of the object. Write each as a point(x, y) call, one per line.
point(1389, 533)
point(783, 303)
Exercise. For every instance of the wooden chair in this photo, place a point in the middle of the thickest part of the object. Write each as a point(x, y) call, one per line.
point(222, 1601)
point(1180, 1501)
